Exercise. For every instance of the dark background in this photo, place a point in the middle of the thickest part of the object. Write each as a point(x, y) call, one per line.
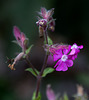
point(72, 26)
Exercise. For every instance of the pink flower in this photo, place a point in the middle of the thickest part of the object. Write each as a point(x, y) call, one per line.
point(63, 60)
point(63, 54)
point(47, 20)
point(50, 93)
point(20, 37)
point(17, 58)
point(75, 49)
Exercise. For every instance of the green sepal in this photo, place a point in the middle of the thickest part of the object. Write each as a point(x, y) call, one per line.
point(14, 41)
point(31, 70)
point(47, 71)
point(50, 42)
point(27, 51)
point(34, 96)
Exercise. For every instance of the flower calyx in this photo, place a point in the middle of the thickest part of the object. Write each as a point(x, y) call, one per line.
point(21, 39)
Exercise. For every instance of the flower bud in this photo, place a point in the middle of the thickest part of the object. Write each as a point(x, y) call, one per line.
point(50, 93)
point(20, 37)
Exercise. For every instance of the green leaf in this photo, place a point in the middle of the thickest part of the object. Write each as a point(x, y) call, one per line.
point(47, 71)
point(34, 95)
point(65, 97)
point(28, 50)
point(50, 42)
point(31, 70)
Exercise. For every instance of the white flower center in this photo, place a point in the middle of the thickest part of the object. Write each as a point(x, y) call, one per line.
point(74, 46)
point(64, 58)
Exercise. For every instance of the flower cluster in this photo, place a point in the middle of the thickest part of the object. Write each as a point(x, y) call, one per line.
point(64, 55)
point(46, 21)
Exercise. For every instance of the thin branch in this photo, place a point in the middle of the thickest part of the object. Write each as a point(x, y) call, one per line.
point(44, 65)
point(38, 85)
point(30, 65)
point(40, 75)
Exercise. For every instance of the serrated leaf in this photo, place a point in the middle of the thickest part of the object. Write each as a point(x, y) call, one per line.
point(65, 97)
point(31, 70)
point(28, 50)
point(34, 96)
point(47, 71)
point(50, 42)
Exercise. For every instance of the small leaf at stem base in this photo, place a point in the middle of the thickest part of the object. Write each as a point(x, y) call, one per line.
point(27, 51)
point(47, 71)
point(31, 70)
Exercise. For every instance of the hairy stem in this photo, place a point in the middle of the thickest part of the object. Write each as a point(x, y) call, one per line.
point(46, 36)
point(40, 75)
point(38, 85)
point(43, 67)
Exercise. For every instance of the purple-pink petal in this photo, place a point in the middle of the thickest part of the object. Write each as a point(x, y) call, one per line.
point(80, 47)
point(58, 63)
point(56, 57)
point(64, 66)
point(69, 63)
point(66, 51)
point(72, 51)
point(23, 37)
point(61, 67)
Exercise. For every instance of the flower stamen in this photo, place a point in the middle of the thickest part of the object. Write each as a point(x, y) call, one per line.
point(64, 58)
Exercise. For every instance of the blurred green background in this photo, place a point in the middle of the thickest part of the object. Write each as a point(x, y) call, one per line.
point(72, 26)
